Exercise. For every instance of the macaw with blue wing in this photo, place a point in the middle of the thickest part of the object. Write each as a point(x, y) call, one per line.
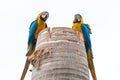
point(35, 27)
point(85, 30)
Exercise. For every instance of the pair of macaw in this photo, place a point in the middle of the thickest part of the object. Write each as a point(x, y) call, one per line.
point(85, 30)
point(35, 27)
point(78, 25)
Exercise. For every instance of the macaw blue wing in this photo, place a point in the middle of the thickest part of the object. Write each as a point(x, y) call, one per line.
point(86, 34)
point(32, 30)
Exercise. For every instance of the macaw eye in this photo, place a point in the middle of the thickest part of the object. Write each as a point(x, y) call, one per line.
point(43, 13)
point(78, 17)
point(43, 16)
point(75, 17)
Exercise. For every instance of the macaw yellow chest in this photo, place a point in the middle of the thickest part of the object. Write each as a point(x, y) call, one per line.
point(77, 27)
point(40, 28)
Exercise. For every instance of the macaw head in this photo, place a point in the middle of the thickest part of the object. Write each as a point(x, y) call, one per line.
point(43, 16)
point(78, 18)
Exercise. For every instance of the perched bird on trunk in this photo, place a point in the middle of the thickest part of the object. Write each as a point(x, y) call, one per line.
point(85, 30)
point(36, 26)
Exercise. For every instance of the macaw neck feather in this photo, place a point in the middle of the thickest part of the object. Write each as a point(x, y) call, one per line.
point(39, 20)
point(81, 21)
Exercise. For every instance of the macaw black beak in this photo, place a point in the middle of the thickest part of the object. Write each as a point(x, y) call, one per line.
point(44, 16)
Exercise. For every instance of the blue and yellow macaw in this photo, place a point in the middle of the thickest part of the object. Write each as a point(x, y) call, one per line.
point(35, 27)
point(85, 30)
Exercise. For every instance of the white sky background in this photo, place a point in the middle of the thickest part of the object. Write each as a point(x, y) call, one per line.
point(102, 15)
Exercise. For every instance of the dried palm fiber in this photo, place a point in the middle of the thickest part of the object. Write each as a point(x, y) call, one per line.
point(59, 55)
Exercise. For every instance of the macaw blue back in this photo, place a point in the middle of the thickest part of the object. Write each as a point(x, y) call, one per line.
point(32, 30)
point(86, 33)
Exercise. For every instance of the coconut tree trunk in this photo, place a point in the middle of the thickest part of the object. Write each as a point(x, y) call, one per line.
point(59, 55)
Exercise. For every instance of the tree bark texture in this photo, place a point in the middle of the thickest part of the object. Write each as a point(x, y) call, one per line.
point(59, 55)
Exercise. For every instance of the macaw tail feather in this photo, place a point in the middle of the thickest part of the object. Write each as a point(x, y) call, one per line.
point(91, 66)
point(25, 69)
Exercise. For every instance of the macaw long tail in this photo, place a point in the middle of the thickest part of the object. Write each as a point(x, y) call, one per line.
point(25, 69)
point(91, 66)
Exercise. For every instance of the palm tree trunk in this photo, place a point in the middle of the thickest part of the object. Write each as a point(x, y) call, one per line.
point(59, 55)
